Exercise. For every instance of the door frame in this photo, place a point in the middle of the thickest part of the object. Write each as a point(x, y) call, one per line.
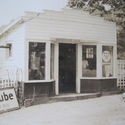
point(78, 66)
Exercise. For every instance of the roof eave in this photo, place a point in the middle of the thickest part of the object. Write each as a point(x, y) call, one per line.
point(18, 21)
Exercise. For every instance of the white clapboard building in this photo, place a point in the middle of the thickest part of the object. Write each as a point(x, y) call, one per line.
point(54, 52)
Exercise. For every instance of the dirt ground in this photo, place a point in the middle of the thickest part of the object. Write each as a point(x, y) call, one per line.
point(106, 110)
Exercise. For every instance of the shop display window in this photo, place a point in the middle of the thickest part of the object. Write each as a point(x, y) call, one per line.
point(89, 61)
point(36, 61)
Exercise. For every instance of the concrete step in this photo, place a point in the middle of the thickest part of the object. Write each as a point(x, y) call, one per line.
point(72, 96)
point(65, 97)
point(111, 92)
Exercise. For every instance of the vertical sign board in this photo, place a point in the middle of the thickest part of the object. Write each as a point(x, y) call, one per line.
point(8, 100)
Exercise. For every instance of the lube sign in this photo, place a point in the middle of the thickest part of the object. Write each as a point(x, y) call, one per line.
point(8, 100)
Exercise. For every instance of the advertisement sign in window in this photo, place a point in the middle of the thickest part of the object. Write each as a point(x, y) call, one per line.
point(107, 61)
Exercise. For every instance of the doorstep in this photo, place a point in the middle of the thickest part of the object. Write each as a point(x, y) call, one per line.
point(73, 96)
point(66, 97)
point(111, 92)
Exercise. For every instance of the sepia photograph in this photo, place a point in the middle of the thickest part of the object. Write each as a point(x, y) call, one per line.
point(62, 62)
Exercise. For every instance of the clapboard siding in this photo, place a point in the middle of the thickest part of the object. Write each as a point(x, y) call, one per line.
point(70, 25)
point(17, 39)
point(2, 57)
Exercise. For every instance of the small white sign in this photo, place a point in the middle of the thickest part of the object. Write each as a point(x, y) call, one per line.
point(8, 100)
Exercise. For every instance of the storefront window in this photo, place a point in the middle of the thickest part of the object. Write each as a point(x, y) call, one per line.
point(52, 62)
point(36, 61)
point(89, 61)
point(107, 61)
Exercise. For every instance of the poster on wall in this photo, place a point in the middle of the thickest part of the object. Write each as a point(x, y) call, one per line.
point(106, 56)
point(8, 100)
point(107, 61)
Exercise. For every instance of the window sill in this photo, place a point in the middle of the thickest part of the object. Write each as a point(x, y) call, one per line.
point(98, 78)
point(39, 81)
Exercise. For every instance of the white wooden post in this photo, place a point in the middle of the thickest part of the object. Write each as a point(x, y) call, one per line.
point(99, 61)
point(47, 61)
point(78, 67)
point(26, 65)
point(56, 68)
point(115, 61)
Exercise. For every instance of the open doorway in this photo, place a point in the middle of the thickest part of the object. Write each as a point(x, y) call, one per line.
point(67, 68)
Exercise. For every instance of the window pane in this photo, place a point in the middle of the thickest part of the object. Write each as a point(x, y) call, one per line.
point(89, 61)
point(107, 61)
point(36, 61)
point(52, 62)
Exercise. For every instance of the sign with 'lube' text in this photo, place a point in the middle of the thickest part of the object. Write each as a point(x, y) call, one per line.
point(8, 100)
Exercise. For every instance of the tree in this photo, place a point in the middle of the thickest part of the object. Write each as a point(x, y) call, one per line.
point(113, 10)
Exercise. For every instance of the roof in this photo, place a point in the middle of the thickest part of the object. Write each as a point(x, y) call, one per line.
point(6, 28)
point(31, 15)
point(21, 20)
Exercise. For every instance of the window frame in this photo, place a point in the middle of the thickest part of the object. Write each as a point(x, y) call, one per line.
point(99, 60)
point(44, 60)
point(47, 61)
point(112, 62)
point(9, 50)
point(90, 44)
